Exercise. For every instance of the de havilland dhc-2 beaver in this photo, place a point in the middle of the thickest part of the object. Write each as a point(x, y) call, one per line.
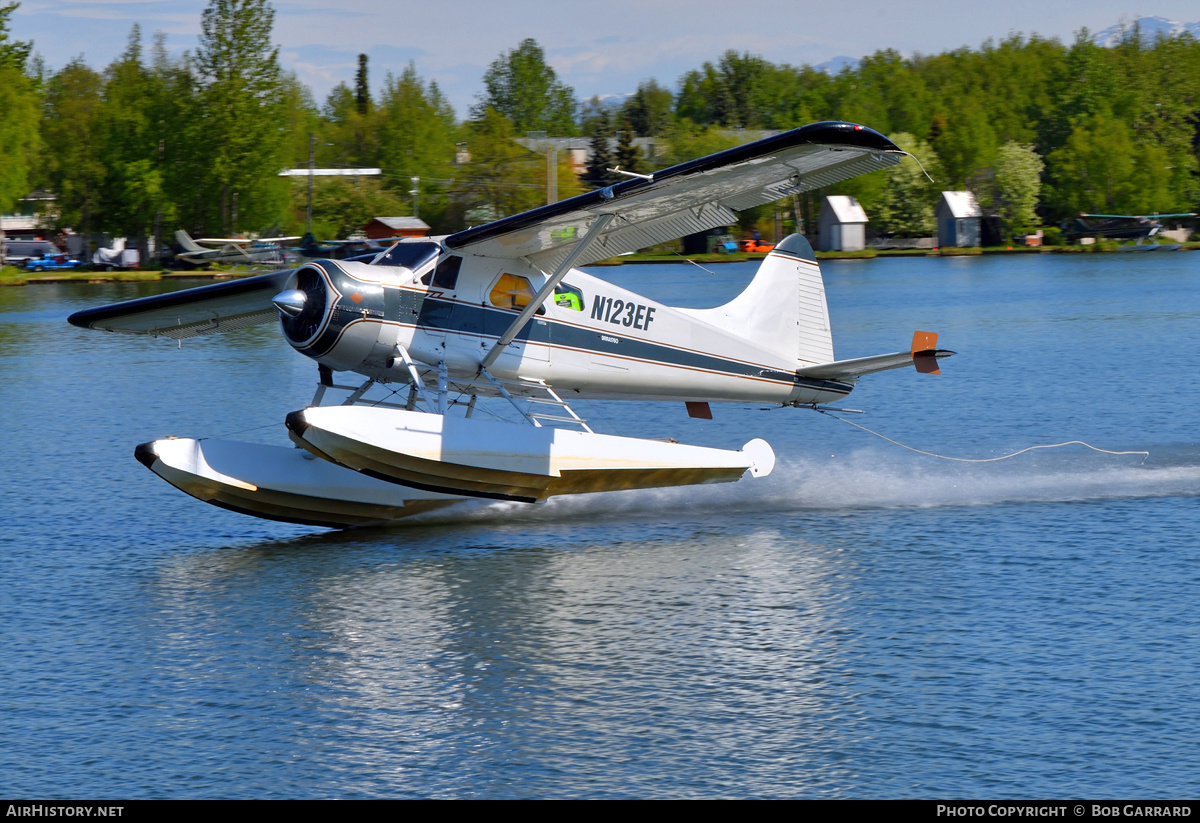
point(501, 311)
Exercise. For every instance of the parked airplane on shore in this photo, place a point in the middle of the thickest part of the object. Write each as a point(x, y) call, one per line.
point(501, 311)
point(233, 250)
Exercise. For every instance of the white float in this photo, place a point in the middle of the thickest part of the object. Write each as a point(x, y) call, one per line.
point(281, 483)
point(507, 461)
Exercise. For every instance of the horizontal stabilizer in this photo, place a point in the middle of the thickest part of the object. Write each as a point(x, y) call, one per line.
point(924, 355)
point(191, 312)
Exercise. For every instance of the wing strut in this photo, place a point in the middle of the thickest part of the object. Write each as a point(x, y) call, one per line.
point(565, 266)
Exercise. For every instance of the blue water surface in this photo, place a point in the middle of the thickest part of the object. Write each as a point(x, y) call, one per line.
point(865, 622)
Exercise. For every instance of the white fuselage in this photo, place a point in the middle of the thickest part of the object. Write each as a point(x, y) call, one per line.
point(607, 342)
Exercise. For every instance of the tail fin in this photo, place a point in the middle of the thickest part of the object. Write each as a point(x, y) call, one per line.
point(783, 308)
point(186, 242)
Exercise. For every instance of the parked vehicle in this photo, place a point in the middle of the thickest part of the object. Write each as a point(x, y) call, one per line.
point(755, 246)
point(52, 262)
point(18, 252)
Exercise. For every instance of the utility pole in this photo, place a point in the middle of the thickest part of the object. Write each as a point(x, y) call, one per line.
point(162, 145)
point(312, 164)
point(415, 191)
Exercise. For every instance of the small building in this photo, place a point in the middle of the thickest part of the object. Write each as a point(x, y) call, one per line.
point(958, 219)
point(842, 225)
point(382, 228)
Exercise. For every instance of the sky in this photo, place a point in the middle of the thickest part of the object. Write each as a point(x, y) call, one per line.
point(598, 49)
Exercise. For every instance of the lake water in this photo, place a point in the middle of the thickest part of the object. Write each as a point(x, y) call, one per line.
point(866, 622)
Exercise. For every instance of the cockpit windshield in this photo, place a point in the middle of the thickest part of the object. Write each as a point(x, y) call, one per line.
point(410, 255)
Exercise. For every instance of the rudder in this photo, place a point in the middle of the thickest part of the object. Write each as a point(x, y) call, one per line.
point(783, 308)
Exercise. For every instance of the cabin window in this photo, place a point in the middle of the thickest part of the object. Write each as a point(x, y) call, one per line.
point(568, 297)
point(512, 292)
point(445, 276)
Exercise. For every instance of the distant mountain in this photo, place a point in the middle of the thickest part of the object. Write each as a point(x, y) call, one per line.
point(835, 65)
point(1151, 28)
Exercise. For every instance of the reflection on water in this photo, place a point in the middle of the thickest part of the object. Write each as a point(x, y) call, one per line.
point(863, 623)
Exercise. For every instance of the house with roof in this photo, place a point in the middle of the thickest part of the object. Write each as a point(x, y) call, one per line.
point(383, 228)
point(959, 219)
point(842, 224)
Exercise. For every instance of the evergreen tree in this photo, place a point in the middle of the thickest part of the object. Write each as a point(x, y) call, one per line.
point(240, 102)
point(362, 89)
point(648, 110)
point(629, 156)
point(600, 156)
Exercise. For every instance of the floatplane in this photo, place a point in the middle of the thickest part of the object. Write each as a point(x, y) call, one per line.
point(204, 251)
point(500, 312)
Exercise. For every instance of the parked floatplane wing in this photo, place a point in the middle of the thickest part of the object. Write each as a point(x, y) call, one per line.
point(500, 311)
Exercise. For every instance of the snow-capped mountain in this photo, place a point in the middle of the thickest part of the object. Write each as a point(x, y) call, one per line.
point(834, 65)
point(1151, 28)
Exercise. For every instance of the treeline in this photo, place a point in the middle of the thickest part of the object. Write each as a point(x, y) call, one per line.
point(154, 142)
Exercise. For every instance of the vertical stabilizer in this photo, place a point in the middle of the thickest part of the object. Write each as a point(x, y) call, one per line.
point(783, 308)
point(186, 242)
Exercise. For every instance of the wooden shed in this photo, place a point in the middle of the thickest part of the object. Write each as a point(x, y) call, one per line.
point(842, 225)
point(958, 219)
point(382, 228)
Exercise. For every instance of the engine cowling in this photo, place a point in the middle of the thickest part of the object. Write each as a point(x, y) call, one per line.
point(336, 312)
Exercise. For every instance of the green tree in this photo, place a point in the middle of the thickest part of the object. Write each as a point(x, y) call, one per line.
point(521, 86)
point(131, 140)
point(906, 206)
point(417, 134)
point(502, 178)
point(18, 135)
point(629, 156)
point(348, 137)
point(72, 165)
point(240, 100)
point(600, 154)
point(967, 145)
point(343, 205)
point(1016, 186)
point(19, 140)
point(648, 110)
point(362, 87)
point(1102, 170)
point(13, 53)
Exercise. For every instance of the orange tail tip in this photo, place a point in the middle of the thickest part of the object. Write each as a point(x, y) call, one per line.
point(924, 341)
point(923, 345)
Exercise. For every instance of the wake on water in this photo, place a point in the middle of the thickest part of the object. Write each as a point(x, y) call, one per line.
point(873, 479)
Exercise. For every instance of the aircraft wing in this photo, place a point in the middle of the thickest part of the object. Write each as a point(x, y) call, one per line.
point(191, 312)
point(692, 197)
point(924, 355)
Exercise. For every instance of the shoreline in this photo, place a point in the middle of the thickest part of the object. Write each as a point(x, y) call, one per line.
point(154, 275)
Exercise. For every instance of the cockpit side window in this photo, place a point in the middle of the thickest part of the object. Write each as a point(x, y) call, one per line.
point(568, 297)
point(445, 276)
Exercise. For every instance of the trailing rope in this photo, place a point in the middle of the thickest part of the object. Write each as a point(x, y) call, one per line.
point(1144, 454)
